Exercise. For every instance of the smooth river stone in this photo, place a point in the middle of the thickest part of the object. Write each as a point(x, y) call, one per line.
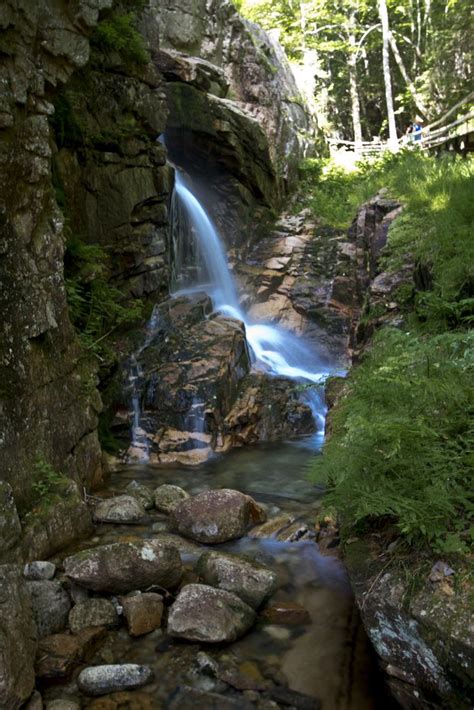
point(126, 566)
point(120, 510)
point(101, 680)
point(203, 613)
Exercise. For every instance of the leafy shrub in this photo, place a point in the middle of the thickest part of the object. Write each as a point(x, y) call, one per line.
point(97, 308)
point(118, 33)
point(402, 443)
point(48, 480)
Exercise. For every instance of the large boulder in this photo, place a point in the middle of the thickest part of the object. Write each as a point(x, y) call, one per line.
point(17, 639)
point(202, 613)
point(216, 516)
point(122, 567)
point(252, 582)
point(101, 680)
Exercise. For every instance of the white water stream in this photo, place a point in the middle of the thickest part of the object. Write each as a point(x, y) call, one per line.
point(275, 350)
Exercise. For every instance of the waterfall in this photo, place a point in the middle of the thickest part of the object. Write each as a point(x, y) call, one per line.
point(274, 350)
point(139, 445)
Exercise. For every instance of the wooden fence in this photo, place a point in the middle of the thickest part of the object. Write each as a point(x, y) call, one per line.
point(457, 135)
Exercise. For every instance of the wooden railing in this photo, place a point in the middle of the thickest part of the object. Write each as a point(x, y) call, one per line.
point(433, 136)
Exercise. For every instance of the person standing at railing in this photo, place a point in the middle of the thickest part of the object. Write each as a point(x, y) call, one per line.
point(417, 129)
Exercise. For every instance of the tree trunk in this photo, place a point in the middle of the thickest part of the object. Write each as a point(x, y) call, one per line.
point(392, 128)
point(410, 85)
point(355, 103)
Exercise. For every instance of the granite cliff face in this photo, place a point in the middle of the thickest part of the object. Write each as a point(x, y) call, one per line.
point(47, 413)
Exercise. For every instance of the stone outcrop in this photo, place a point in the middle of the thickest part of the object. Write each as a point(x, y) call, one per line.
point(196, 393)
point(256, 129)
point(46, 413)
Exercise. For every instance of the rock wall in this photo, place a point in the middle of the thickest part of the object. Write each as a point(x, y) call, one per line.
point(47, 414)
point(256, 128)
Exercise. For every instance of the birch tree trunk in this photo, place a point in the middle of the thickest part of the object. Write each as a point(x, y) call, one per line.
point(410, 85)
point(392, 128)
point(353, 87)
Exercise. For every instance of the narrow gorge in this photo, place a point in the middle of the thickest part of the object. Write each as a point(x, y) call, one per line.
point(176, 324)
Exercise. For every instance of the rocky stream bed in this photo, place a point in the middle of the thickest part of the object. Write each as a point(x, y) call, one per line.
point(192, 593)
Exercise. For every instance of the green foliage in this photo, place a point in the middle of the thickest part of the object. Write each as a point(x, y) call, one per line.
point(118, 33)
point(401, 448)
point(47, 479)
point(97, 308)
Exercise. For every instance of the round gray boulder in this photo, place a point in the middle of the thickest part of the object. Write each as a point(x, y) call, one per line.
point(203, 613)
point(216, 516)
point(251, 581)
point(125, 510)
point(167, 497)
point(125, 566)
point(101, 680)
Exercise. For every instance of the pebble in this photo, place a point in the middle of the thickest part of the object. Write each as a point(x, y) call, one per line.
point(100, 680)
point(279, 633)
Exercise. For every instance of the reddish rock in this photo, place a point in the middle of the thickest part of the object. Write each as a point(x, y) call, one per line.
point(285, 614)
point(143, 613)
point(60, 654)
point(124, 700)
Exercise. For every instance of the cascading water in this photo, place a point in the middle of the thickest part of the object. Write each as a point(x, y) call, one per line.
point(273, 349)
point(139, 446)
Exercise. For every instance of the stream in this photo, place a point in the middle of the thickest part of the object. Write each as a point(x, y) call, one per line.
point(329, 658)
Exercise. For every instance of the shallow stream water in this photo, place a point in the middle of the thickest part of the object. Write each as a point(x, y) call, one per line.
point(330, 658)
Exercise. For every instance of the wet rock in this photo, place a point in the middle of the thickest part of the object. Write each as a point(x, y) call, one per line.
point(59, 655)
point(202, 613)
point(120, 510)
point(143, 613)
point(100, 680)
point(216, 516)
point(17, 639)
point(167, 497)
point(10, 527)
point(93, 612)
point(272, 527)
point(143, 495)
point(294, 699)
point(35, 702)
point(187, 549)
point(63, 704)
point(51, 606)
point(243, 681)
point(187, 698)
point(123, 567)
point(39, 570)
point(125, 700)
point(285, 614)
point(252, 582)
